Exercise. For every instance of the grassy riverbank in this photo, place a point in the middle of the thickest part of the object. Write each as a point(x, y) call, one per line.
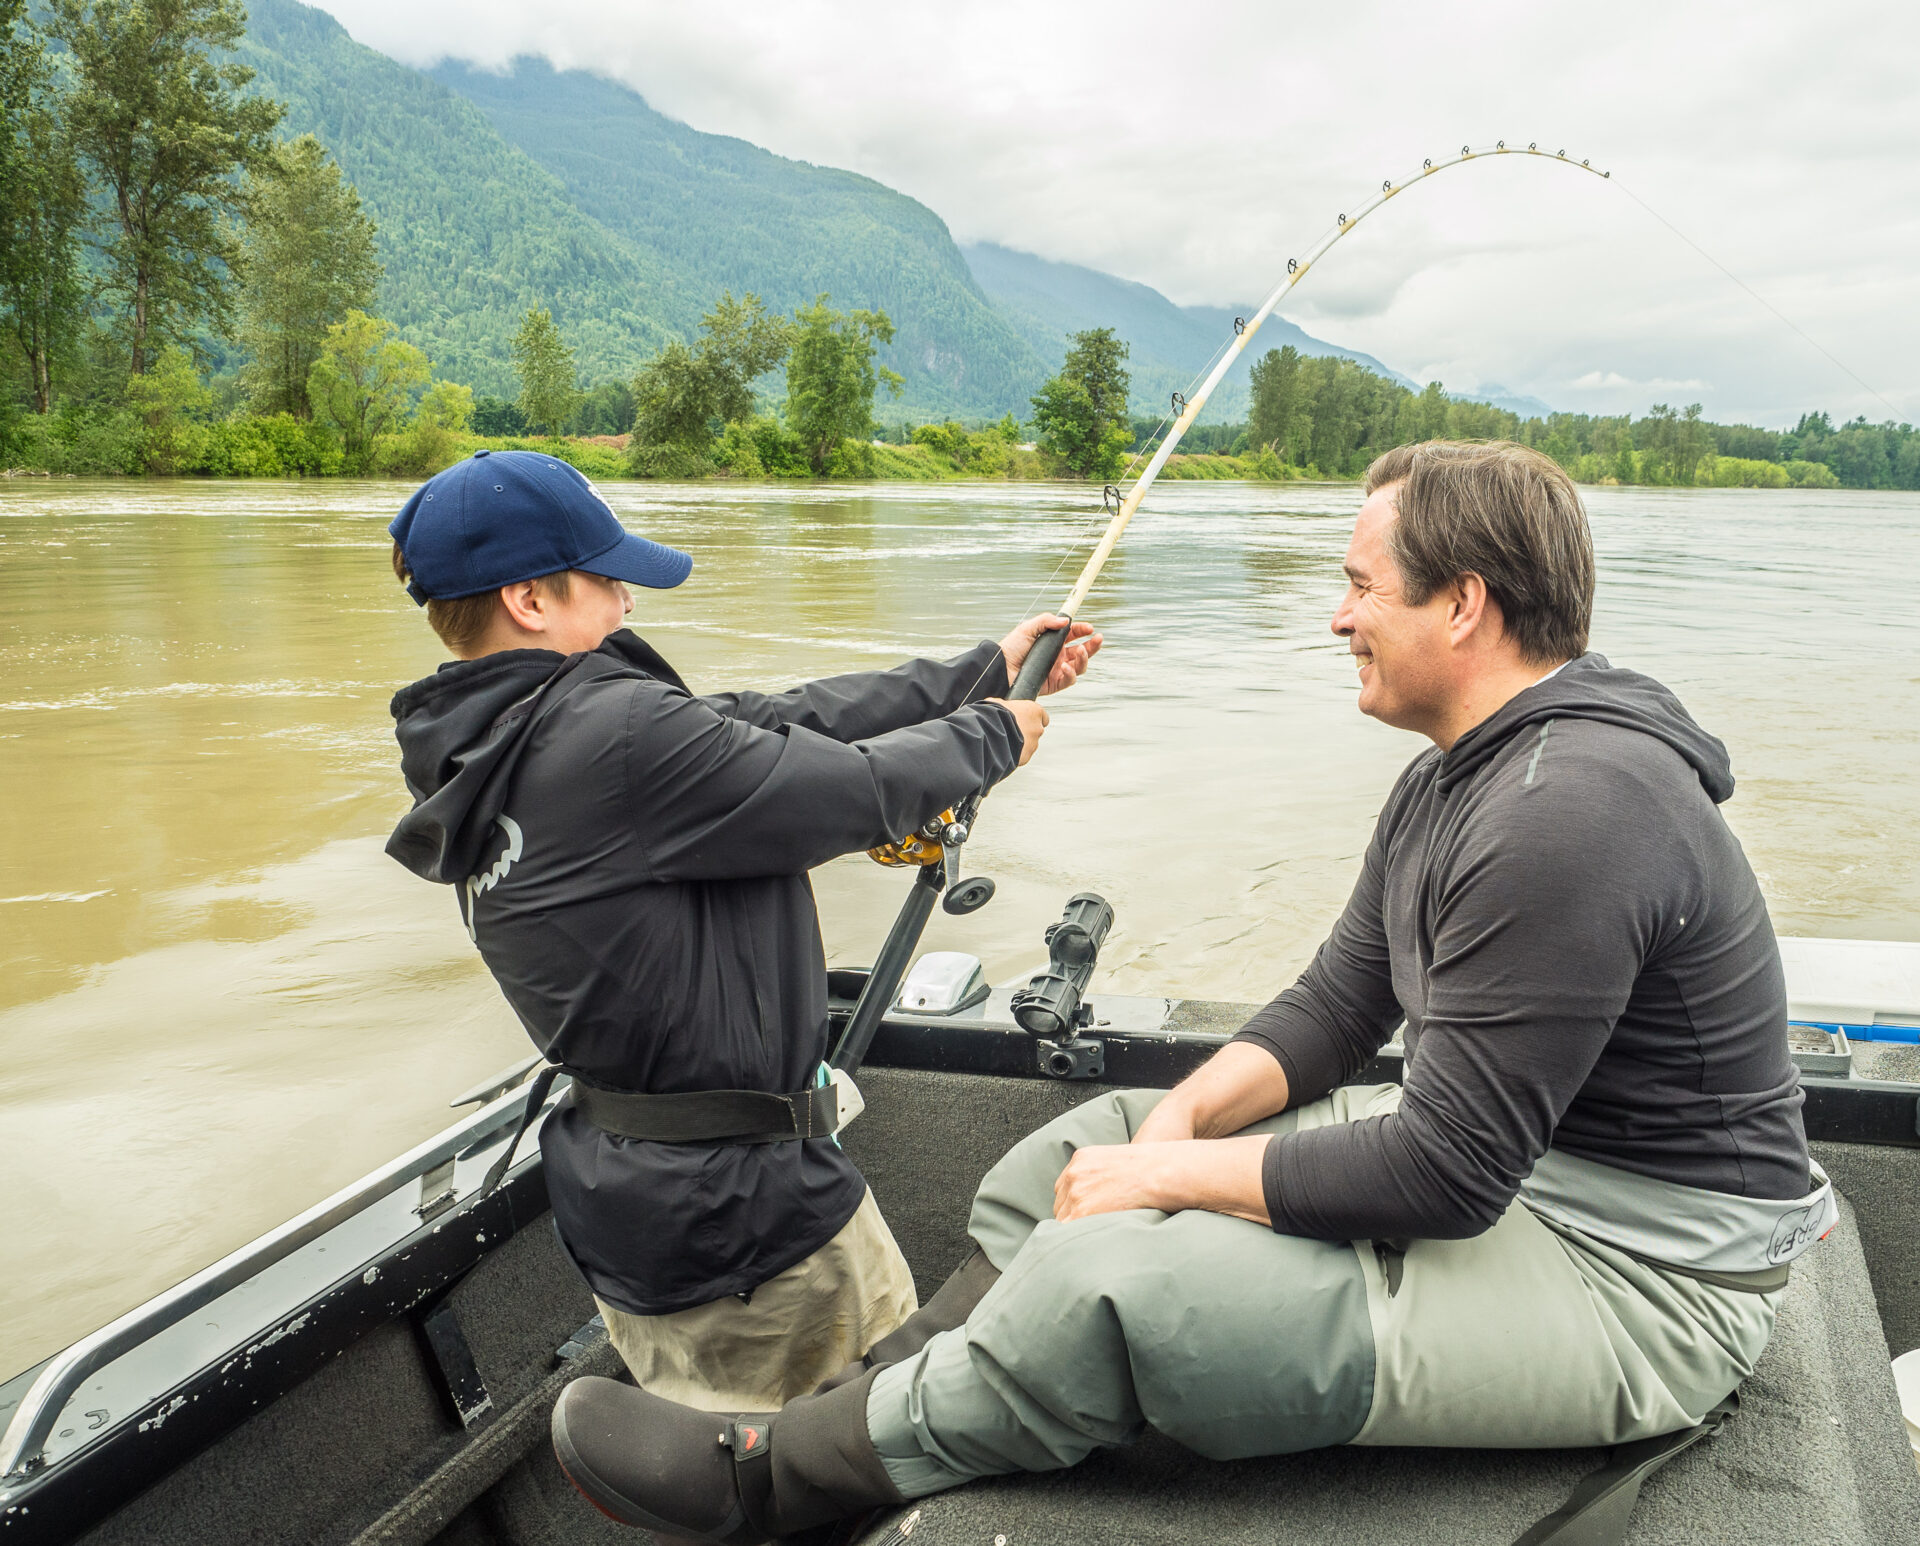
point(280, 446)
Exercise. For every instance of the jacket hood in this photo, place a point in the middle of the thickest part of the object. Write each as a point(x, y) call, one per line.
point(461, 733)
point(1591, 688)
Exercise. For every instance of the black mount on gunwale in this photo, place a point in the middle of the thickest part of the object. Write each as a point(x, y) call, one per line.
point(1051, 1007)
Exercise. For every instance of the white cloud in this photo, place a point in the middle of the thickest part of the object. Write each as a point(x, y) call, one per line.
point(1196, 148)
point(1612, 380)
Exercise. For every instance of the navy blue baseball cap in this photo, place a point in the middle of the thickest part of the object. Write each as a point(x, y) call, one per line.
point(501, 517)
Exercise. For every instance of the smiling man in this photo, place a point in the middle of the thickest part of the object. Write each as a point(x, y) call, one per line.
point(1570, 1225)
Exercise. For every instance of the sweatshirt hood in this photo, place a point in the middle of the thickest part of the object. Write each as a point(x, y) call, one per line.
point(461, 733)
point(1591, 688)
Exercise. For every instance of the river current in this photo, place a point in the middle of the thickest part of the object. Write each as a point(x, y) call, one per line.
point(219, 1000)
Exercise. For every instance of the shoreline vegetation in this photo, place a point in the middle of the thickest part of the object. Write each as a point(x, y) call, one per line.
point(211, 311)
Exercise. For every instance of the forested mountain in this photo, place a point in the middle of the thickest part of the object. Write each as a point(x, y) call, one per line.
point(494, 193)
point(472, 231)
point(1170, 344)
point(729, 215)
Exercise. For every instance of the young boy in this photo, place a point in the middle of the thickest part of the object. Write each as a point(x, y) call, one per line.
point(631, 861)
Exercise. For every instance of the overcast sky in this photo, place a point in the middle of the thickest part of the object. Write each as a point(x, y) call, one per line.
point(1195, 145)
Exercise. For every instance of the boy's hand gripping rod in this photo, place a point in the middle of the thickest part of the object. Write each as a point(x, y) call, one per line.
point(896, 954)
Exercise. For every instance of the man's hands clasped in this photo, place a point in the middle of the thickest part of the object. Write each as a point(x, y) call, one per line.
point(1190, 1150)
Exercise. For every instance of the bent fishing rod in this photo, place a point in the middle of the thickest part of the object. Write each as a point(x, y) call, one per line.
point(935, 848)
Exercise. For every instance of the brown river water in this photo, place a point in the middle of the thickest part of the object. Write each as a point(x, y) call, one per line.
point(220, 1001)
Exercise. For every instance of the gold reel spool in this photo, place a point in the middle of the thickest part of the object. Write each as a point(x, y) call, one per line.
point(918, 849)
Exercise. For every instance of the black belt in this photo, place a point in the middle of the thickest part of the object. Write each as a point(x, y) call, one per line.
point(698, 1116)
point(711, 1116)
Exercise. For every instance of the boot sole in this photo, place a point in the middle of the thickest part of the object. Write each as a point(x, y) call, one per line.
point(615, 1504)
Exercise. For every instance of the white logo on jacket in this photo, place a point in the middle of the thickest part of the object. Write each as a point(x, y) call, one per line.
point(477, 884)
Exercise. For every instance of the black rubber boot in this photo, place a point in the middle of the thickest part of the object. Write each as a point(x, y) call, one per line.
point(712, 1476)
point(950, 1306)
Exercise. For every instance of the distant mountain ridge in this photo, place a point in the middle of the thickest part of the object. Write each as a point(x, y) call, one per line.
point(496, 191)
point(1170, 344)
point(725, 214)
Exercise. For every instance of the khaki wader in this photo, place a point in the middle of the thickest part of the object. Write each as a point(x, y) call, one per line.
point(781, 1341)
point(1237, 1341)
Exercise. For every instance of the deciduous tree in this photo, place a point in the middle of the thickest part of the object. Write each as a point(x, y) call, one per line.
point(308, 259)
point(363, 381)
point(1081, 414)
point(831, 377)
point(1280, 414)
point(162, 115)
point(548, 394)
point(43, 205)
point(682, 393)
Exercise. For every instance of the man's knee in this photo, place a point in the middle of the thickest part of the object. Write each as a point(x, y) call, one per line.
point(1017, 1193)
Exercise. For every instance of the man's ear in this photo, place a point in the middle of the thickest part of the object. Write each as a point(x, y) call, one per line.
point(1469, 608)
point(525, 605)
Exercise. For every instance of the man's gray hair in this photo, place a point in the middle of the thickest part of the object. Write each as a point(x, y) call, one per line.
point(1506, 513)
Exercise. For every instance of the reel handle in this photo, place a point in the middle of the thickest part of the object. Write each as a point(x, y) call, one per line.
point(1039, 663)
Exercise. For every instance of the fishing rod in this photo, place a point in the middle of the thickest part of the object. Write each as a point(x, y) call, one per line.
point(935, 848)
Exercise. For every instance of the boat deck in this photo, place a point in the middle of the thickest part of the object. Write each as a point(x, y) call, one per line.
point(378, 1445)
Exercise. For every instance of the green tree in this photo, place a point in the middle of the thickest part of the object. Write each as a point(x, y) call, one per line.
point(671, 404)
point(43, 206)
point(1081, 414)
point(1624, 467)
point(606, 410)
point(446, 405)
point(1693, 442)
point(363, 381)
point(444, 411)
point(548, 393)
point(168, 129)
point(1280, 414)
point(743, 342)
point(1658, 435)
point(831, 377)
point(167, 397)
point(308, 259)
point(682, 393)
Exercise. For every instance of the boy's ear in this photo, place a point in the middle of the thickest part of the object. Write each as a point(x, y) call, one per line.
point(523, 604)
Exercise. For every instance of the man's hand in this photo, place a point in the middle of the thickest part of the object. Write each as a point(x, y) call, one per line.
point(1032, 720)
point(1221, 1175)
point(1081, 646)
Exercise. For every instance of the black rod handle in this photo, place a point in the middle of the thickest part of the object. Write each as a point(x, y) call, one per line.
point(1038, 665)
point(883, 982)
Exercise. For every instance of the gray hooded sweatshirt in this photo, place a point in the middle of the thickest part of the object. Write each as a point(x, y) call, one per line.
point(1582, 957)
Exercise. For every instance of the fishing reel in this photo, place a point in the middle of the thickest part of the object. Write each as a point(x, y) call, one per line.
point(1051, 1006)
point(938, 840)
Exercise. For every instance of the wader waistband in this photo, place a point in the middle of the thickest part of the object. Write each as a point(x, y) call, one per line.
point(698, 1116)
point(1733, 1242)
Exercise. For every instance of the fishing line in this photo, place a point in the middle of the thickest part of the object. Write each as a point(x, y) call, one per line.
point(935, 851)
point(1805, 336)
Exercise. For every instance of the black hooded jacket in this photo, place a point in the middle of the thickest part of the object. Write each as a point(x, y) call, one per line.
point(1583, 959)
point(632, 863)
